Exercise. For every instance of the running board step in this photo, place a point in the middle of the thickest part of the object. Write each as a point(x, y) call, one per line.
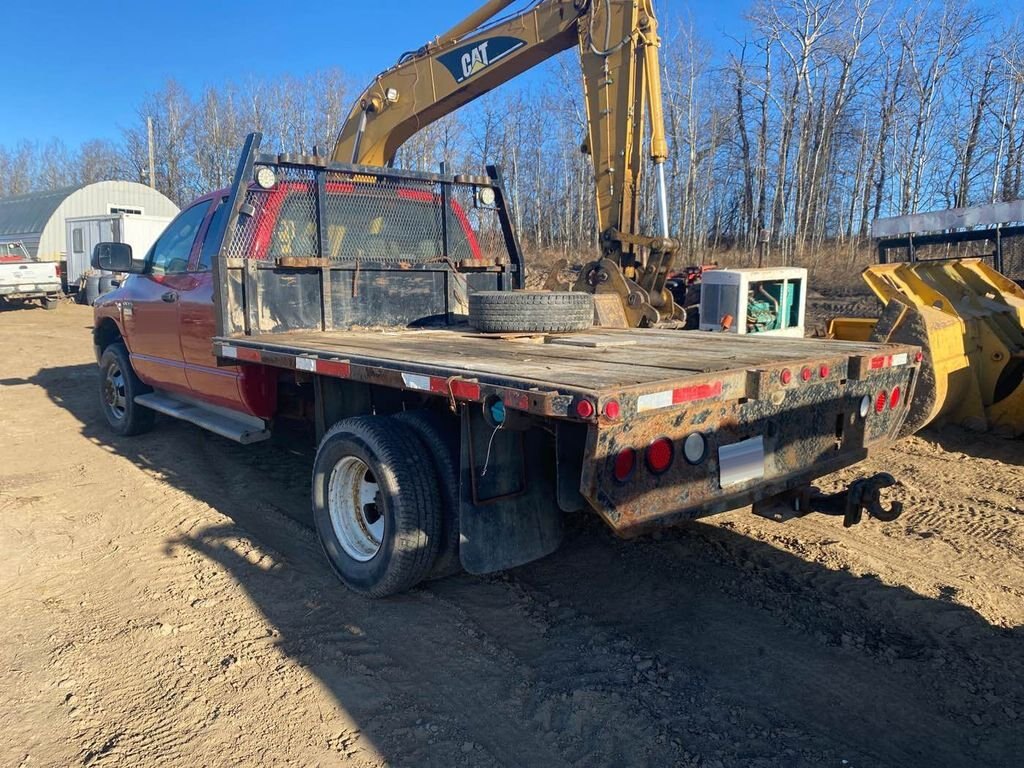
point(234, 426)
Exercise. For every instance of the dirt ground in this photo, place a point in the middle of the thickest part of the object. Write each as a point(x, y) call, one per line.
point(164, 603)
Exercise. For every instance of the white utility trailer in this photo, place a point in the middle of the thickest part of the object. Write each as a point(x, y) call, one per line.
point(138, 231)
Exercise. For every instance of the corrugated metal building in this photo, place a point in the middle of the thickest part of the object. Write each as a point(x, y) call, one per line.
point(37, 219)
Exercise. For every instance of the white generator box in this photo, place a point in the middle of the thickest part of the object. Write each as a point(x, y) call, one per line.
point(83, 233)
point(755, 301)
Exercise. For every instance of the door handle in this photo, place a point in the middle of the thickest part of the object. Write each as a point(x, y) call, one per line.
point(170, 297)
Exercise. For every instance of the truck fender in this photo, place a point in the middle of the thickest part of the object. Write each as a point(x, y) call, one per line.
point(105, 332)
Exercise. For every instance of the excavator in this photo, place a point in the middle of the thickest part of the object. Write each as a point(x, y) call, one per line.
point(619, 44)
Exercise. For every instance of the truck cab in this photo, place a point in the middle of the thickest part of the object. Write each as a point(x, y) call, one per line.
point(165, 316)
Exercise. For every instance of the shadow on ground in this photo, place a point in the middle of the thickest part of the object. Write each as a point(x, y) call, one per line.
point(956, 439)
point(702, 647)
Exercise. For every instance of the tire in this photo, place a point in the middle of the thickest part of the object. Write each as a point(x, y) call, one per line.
point(531, 311)
point(50, 302)
point(118, 388)
point(439, 439)
point(384, 546)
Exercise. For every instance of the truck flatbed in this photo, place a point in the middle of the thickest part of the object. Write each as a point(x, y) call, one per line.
point(597, 361)
point(555, 370)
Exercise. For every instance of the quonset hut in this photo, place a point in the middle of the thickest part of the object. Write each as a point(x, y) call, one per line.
point(38, 218)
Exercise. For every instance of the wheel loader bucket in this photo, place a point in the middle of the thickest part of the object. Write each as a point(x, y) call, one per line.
point(969, 320)
point(852, 328)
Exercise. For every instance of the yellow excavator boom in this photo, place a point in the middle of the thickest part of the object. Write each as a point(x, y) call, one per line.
point(619, 45)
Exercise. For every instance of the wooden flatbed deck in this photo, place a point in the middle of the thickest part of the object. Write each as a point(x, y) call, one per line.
point(599, 360)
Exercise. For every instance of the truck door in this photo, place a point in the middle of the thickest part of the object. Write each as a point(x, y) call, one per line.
point(152, 319)
point(212, 383)
point(246, 388)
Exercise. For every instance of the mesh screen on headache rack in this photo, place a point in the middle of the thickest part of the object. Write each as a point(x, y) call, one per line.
point(368, 220)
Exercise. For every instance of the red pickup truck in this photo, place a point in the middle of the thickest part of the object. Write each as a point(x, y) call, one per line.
point(337, 296)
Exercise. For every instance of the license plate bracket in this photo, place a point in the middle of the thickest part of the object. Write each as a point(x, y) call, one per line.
point(741, 462)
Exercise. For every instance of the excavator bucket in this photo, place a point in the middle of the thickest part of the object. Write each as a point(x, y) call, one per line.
point(969, 320)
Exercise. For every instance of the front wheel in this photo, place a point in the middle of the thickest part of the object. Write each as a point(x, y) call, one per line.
point(376, 505)
point(118, 387)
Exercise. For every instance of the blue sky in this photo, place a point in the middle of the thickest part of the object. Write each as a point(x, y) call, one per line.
point(77, 70)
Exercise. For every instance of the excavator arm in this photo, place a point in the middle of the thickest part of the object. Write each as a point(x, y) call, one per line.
point(619, 51)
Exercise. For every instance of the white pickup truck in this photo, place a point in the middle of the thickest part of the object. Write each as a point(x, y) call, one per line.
point(22, 277)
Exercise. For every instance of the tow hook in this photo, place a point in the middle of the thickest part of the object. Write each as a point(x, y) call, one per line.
point(864, 495)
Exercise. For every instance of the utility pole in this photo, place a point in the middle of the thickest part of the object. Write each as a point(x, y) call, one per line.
point(764, 241)
point(152, 153)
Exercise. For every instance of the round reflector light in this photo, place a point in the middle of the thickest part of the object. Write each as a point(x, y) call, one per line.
point(625, 463)
point(806, 374)
point(894, 398)
point(659, 455)
point(786, 376)
point(880, 401)
point(585, 409)
point(824, 371)
point(695, 448)
point(919, 357)
point(612, 409)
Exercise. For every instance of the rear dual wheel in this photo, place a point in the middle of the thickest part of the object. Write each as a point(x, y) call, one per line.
point(438, 436)
point(376, 505)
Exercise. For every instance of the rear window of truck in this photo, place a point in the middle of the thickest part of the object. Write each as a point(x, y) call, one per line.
point(391, 225)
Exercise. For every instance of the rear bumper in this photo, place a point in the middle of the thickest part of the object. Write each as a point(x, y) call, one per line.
point(30, 291)
point(755, 449)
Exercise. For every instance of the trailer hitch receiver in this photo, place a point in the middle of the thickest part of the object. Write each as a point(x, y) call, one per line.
point(864, 495)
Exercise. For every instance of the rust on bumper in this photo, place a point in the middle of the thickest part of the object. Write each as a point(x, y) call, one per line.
point(809, 429)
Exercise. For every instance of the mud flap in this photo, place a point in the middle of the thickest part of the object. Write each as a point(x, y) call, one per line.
point(508, 496)
point(570, 443)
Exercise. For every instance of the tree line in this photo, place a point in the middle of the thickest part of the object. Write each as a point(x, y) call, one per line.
point(811, 120)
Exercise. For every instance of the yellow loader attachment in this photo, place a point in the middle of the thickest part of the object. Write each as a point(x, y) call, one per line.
point(969, 319)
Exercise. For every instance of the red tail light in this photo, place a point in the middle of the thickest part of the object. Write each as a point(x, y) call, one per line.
point(585, 409)
point(612, 409)
point(919, 357)
point(806, 374)
point(894, 399)
point(786, 376)
point(880, 401)
point(625, 463)
point(659, 455)
point(56, 269)
point(824, 371)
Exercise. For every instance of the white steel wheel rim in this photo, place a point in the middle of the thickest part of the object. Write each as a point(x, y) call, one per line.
point(356, 514)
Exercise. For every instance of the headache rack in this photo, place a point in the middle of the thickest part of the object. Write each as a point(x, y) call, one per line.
point(308, 244)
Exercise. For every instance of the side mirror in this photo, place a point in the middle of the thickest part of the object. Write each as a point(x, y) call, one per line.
point(115, 257)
